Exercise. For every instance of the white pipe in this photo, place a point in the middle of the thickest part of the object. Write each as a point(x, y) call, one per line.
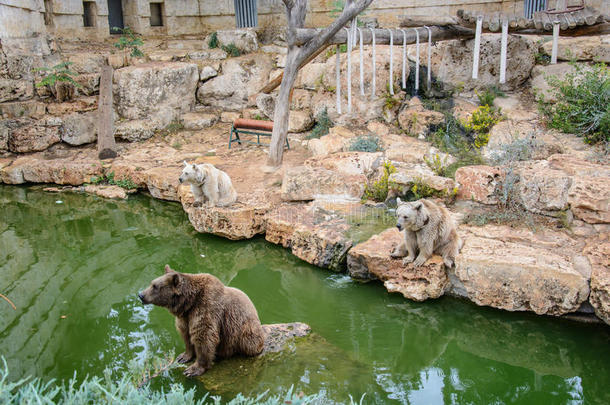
point(555, 42)
point(353, 29)
point(338, 75)
point(373, 89)
point(361, 65)
point(391, 62)
point(477, 46)
point(503, 48)
point(429, 81)
point(416, 60)
point(349, 70)
point(404, 59)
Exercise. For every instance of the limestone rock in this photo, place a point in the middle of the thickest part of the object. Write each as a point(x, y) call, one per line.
point(312, 235)
point(240, 78)
point(405, 149)
point(81, 104)
point(26, 136)
point(15, 90)
point(437, 157)
point(542, 189)
point(590, 48)
point(310, 76)
point(59, 171)
point(479, 183)
point(301, 100)
point(337, 140)
point(158, 92)
point(89, 84)
point(300, 121)
point(541, 73)
point(242, 220)
point(136, 130)
point(243, 38)
point(207, 72)
point(266, 103)
point(86, 62)
point(195, 121)
point(524, 271)
point(417, 120)
point(349, 163)
point(106, 191)
point(79, 129)
point(23, 109)
point(408, 174)
point(303, 183)
point(162, 182)
point(518, 140)
point(452, 62)
point(4, 134)
point(371, 260)
point(599, 255)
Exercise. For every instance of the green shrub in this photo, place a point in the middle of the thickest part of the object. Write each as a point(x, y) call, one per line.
point(435, 163)
point(213, 41)
point(113, 389)
point(109, 179)
point(480, 123)
point(129, 39)
point(57, 73)
point(488, 95)
point(583, 103)
point(323, 124)
point(378, 191)
point(231, 50)
point(365, 143)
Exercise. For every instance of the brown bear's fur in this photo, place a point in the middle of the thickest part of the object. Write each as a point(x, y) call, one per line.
point(215, 321)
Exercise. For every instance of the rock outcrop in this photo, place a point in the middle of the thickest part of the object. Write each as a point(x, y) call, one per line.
point(315, 236)
point(371, 260)
point(598, 252)
point(304, 183)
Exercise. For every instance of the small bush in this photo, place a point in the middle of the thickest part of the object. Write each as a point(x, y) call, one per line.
point(129, 39)
point(57, 73)
point(366, 143)
point(436, 164)
point(378, 191)
point(109, 179)
point(480, 123)
point(323, 124)
point(583, 103)
point(231, 50)
point(213, 41)
point(488, 96)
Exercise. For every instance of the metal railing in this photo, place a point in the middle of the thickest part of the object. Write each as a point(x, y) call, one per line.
point(246, 14)
point(531, 6)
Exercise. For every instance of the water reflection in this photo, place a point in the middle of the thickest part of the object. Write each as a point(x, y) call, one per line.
point(73, 268)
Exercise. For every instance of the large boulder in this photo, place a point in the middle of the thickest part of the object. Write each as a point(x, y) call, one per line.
point(452, 62)
point(371, 260)
point(417, 120)
point(4, 134)
point(303, 183)
point(404, 148)
point(79, 129)
point(593, 48)
point(599, 254)
point(518, 270)
point(479, 183)
point(15, 90)
point(31, 136)
point(511, 141)
point(35, 169)
point(300, 121)
point(541, 189)
point(244, 38)
point(338, 139)
point(136, 130)
point(195, 121)
point(242, 220)
point(541, 74)
point(240, 79)
point(315, 236)
point(409, 174)
point(349, 163)
point(157, 92)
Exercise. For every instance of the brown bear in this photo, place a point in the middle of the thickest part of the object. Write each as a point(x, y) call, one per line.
point(215, 321)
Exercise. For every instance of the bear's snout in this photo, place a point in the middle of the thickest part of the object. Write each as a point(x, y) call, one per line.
point(399, 227)
point(141, 297)
point(180, 179)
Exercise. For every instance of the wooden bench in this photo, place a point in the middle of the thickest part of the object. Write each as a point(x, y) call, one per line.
point(242, 126)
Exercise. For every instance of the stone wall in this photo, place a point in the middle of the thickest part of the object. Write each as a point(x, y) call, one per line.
point(22, 18)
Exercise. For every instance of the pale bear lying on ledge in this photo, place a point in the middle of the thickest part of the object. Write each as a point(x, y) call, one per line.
point(428, 228)
point(209, 185)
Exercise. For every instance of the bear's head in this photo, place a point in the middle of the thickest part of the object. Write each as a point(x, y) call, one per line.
point(192, 174)
point(411, 215)
point(164, 291)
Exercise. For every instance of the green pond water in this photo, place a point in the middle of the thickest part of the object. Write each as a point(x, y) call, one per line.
point(73, 264)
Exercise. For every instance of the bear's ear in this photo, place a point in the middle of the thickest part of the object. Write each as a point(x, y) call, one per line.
point(174, 279)
point(185, 163)
point(168, 269)
point(417, 205)
point(398, 201)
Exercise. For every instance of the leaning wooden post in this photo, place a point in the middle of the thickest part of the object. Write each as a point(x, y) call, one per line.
point(106, 147)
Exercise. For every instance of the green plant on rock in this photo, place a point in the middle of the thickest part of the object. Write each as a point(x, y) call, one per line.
point(231, 49)
point(582, 105)
point(129, 40)
point(57, 73)
point(480, 123)
point(366, 143)
point(488, 95)
point(126, 182)
point(378, 190)
point(436, 164)
point(323, 124)
point(213, 41)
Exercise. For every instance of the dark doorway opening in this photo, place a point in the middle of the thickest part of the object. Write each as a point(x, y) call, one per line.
point(89, 13)
point(156, 14)
point(115, 16)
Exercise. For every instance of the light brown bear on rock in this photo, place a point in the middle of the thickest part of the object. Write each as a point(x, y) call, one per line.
point(428, 228)
point(209, 185)
point(214, 321)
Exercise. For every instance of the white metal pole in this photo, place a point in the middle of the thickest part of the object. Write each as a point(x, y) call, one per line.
point(477, 46)
point(416, 60)
point(338, 75)
point(374, 73)
point(503, 48)
point(555, 42)
point(391, 62)
point(361, 65)
point(404, 59)
point(429, 81)
point(349, 70)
